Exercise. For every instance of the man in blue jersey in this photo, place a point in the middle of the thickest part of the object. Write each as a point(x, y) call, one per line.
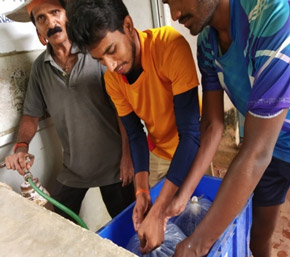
point(243, 49)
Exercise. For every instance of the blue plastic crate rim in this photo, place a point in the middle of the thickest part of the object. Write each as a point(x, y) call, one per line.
point(234, 242)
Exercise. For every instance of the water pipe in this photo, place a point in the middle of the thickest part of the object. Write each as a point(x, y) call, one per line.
point(29, 178)
point(58, 204)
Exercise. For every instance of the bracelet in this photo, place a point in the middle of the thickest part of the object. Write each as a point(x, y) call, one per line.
point(142, 190)
point(20, 144)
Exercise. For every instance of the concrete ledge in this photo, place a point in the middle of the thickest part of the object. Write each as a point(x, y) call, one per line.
point(29, 230)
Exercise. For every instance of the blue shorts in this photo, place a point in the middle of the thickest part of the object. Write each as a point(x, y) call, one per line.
point(274, 184)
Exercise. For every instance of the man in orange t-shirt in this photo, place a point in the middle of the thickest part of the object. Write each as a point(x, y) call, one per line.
point(151, 77)
point(166, 71)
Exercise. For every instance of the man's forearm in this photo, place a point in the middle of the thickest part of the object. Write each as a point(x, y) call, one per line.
point(164, 198)
point(138, 142)
point(187, 116)
point(27, 128)
point(124, 138)
point(142, 180)
point(210, 138)
point(242, 176)
point(212, 124)
point(232, 196)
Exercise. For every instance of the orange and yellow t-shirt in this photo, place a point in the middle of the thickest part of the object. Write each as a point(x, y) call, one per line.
point(168, 70)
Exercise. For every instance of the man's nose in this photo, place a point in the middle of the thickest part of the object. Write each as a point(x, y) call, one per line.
point(111, 64)
point(50, 22)
point(175, 12)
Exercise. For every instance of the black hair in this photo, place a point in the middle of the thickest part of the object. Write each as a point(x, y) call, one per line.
point(89, 21)
point(62, 3)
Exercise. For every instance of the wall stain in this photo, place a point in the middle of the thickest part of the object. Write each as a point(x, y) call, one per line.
point(18, 85)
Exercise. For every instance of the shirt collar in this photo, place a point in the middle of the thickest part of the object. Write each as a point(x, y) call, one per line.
point(48, 55)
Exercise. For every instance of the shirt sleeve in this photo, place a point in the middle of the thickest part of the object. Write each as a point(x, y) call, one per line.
point(271, 61)
point(187, 114)
point(34, 104)
point(209, 77)
point(114, 88)
point(178, 64)
point(138, 142)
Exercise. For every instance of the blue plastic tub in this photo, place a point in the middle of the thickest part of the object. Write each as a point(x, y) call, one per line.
point(234, 242)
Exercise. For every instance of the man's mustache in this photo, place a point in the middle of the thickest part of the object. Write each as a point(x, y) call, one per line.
point(56, 29)
point(183, 18)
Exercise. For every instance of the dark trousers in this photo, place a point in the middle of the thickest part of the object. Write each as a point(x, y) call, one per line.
point(115, 197)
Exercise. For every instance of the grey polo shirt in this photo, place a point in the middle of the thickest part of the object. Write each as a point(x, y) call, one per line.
point(83, 117)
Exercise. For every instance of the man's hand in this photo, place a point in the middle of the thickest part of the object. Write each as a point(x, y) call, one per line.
point(176, 206)
point(142, 207)
point(126, 165)
point(187, 248)
point(151, 231)
point(19, 161)
point(126, 170)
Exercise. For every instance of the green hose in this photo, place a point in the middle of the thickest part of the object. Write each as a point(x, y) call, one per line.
point(58, 204)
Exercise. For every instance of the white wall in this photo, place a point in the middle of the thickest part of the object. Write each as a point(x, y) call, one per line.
point(141, 13)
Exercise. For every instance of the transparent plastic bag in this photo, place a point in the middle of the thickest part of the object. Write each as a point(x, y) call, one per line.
point(173, 235)
point(192, 215)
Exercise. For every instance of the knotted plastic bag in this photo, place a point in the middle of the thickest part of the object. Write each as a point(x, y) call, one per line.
point(192, 215)
point(173, 235)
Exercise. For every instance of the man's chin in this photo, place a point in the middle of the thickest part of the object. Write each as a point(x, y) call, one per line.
point(193, 31)
point(126, 73)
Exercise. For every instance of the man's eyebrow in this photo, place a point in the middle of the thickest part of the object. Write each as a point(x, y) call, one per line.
point(107, 49)
point(39, 14)
point(96, 58)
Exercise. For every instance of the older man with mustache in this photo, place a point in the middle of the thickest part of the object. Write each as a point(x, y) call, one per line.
point(69, 85)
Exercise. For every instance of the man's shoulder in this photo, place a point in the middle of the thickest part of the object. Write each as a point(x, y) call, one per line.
point(164, 34)
point(167, 33)
point(39, 59)
point(261, 12)
point(167, 30)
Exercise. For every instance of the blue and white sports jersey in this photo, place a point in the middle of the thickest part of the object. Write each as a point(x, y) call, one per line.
point(255, 70)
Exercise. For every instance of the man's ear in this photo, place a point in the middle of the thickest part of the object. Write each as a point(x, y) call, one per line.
point(128, 25)
point(42, 39)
